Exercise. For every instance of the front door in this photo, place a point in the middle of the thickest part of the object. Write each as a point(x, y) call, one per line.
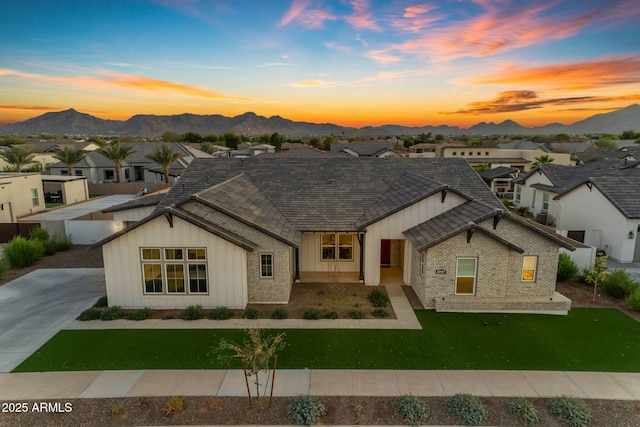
point(385, 252)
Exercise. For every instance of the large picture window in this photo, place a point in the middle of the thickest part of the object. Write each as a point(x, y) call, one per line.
point(169, 270)
point(337, 247)
point(466, 276)
point(529, 267)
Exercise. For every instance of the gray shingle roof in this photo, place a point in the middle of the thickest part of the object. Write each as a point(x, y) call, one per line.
point(148, 200)
point(622, 190)
point(499, 172)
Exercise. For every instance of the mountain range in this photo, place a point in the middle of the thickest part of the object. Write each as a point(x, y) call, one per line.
point(72, 122)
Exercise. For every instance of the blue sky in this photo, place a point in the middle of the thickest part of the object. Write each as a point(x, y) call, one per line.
point(351, 62)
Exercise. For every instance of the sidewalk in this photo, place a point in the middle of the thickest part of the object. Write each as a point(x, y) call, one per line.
point(109, 384)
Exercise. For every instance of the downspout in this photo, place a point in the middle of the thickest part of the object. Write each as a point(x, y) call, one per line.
point(296, 276)
point(361, 242)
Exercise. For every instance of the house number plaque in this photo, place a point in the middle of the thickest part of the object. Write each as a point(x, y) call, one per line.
point(441, 271)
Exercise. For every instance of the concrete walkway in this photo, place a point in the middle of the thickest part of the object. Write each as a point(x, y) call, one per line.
point(92, 384)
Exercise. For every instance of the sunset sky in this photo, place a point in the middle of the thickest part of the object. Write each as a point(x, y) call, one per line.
point(349, 62)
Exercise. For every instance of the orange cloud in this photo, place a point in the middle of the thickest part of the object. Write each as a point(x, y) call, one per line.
point(27, 108)
point(309, 18)
point(417, 18)
point(313, 83)
point(382, 56)
point(361, 18)
point(383, 75)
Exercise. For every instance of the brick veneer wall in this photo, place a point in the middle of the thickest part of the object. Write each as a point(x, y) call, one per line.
point(260, 290)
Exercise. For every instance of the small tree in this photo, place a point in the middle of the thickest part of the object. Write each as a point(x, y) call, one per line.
point(256, 354)
point(597, 274)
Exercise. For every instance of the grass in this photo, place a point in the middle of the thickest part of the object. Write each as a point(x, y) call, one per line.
point(585, 340)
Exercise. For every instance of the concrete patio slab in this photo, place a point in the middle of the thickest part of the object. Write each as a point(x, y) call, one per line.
point(463, 382)
point(331, 382)
point(419, 383)
point(112, 384)
point(551, 383)
point(593, 384)
point(374, 383)
point(507, 383)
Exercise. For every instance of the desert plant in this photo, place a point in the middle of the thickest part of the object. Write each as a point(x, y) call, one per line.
point(55, 244)
point(21, 252)
point(311, 314)
point(378, 298)
point(356, 314)
point(112, 313)
point(633, 301)
point(330, 315)
point(619, 284)
point(116, 409)
point(251, 313)
point(221, 313)
point(467, 408)
point(574, 411)
point(524, 409)
point(358, 412)
point(4, 266)
point(140, 314)
point(39, 233)
point(380, 312)
point(102, 302)
point(173, 405)
point(193, 312)
point(90, 314)
point(413, 410)
point(567, 269)
point(305, 410)
point(279, 313)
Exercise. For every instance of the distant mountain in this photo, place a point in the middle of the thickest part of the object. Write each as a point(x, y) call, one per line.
point(71, 122)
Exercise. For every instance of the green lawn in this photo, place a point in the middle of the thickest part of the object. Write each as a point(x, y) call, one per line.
point(585, 340)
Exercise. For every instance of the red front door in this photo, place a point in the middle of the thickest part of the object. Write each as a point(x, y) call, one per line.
point(385, 252)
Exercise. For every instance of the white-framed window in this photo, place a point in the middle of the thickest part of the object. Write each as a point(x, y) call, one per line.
point(529, 268)
point(34, 197)
point(466, 269)
point(336, 247)
point(266, 265)
point(518, 193)
point(545, 202)
point(173, 271)
point(423, 256)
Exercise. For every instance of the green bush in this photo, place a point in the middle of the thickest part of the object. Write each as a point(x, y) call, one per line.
point(330, 315)
point(56, 244)
point(279, 313)
point(413, 410)
point(141, 314)
point(4, 266)
point(102, 302)
point(378, 298)
point(574, 411)
point(619, 284)
point(251, 313)
point(567, 269)
point(633, 301)
point(311, 314)
point(468, 409)
point(221, 313)
point(193, 312)
point(356, 314)
point(522, 408)
point(90, 314)
point(305, 410)
point(112, 313)
point(39, 233)
point(21, 252)
point(380, 312)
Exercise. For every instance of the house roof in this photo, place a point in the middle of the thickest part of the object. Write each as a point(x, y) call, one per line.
point(304, 152)
point(140, 202)
point(363, 149)
point(563, 177)
point(499, 172)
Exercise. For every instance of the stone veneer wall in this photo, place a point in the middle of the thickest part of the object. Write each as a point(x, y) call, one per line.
point(260, 290)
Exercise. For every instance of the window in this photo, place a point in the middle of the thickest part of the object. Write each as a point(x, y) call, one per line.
point(266, 265)
point(518, 193)
point(465, 276)
point(455, 153)
point(127, 174)
point(168, 271)
point(34, 197)
point(78, 172)
point(422, 260)
point(529, 264)
point(109, 175)
point(64, 172)
point(337, 247)
point(545, 202)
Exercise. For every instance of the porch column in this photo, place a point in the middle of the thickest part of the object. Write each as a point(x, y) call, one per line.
point(361, 242)
point(296, 275)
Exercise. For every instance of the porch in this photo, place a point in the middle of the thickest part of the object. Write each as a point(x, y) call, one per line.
point(389, 275)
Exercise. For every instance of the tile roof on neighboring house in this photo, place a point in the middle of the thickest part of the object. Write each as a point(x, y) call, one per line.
point(141, 202)
point(563, 177)
point(499, 172)
point(304, 152)
point(363, 149)
point(518, 144)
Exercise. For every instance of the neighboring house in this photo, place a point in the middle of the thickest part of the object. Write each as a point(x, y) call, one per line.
point(67, 190)
point(137, 168)
point(365, 148)
point(238, 231)
point(43, 152)
point(20, 195)
point(305, 152)
point(517, 158)
point(596, 203)
point(246, 150)
point(500, 179)
point(136, 209)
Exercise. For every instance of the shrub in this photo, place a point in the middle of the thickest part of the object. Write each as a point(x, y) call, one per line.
point(311, 314)
point(413, 410)
point(305, 410)
point(193, 312)
point(56, 244)
point(102, 302)
point(21, 252)
point(90, 314)
point(356, 314)
point(633, 301)
point(330, 315)
point(4, 266)
point(574, 411)
point(380, 312)
point(175, 404)
point(522, 408)
point(39, 233)
point(279, 313)
point(221, 313)
point(468, 409)
point(251, 313)
point(112, 313)
point(141, 314)
point(116, 409)
point(619, 284)
point(567, 269)
point(378, 298)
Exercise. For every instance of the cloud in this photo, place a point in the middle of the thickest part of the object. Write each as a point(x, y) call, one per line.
point(313, 83)
point(416, 18)
point(338, 47)
point(310, 18)
point(361, 17)
point(277, 64)
point(381, 76)
point(27, 107)
point(382, 56)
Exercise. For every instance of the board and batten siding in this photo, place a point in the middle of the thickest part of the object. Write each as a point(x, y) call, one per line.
point(132, 215)
point(311, 256)
point(394, 225)
point(226, 267)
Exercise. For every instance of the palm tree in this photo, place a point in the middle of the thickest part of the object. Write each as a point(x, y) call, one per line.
point(69, 156)
point(164, 156)
point(117, 154)
point(484, 166)
point(542, 160)
point(17, 157)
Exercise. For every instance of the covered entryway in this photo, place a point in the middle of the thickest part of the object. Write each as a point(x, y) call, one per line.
point(391, 261)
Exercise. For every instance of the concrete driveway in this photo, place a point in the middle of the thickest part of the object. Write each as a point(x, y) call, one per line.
point(34, 307)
